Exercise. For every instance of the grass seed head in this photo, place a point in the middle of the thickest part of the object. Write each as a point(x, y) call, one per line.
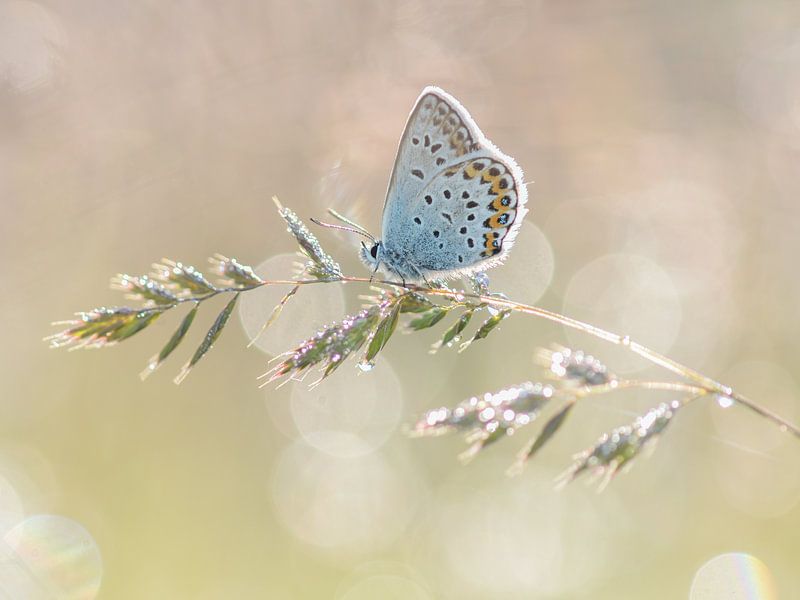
point(143, 288)
point(102, 327)
point(320, 264)
point(616, 449)
point(232, 273)
point(182, 279)
point(575, 367)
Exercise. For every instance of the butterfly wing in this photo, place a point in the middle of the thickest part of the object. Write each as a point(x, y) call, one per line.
point(455, 201)
point(475, 211)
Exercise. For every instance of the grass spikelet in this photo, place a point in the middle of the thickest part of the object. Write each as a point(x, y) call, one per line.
point(480, 283)
point(488, 418)
point(453, 333)
point(232, 273)
point(488, 326)
point(143, 288)
point(103, 327)
point(575, 367)
point(329, 348)
point(429, 318)
point(616, 449)
point(320, 264)
point(548, 431)
point(182, 278)
point(173, 342)
point(211, 337)
point(416, 303)
point(276, 312)
point(383, 332)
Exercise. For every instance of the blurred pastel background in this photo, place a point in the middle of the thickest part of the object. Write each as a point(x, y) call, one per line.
point(664, 142)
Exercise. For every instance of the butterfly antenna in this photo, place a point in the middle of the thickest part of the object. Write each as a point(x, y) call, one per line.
point(359, 231)
point(352, 224)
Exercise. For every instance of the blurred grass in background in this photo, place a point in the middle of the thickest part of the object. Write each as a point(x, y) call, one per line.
point(663, 139)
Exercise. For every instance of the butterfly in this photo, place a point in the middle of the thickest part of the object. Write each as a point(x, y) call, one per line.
point(455, 202)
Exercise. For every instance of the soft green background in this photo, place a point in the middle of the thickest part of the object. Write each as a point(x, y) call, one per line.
point(663, 139)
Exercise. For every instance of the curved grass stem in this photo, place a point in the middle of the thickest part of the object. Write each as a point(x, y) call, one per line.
point(704, 384)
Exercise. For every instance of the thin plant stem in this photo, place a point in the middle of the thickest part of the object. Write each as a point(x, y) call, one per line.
point(704, 385)
point(620, 384)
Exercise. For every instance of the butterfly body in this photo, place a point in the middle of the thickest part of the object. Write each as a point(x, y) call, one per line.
point(455, 202)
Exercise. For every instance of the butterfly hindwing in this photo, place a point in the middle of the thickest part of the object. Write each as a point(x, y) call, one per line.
point(468, 218)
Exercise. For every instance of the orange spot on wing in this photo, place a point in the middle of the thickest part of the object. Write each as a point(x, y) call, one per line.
point(489, 240)
point(451, 171)
point(494, 220)
point(498, 206)
point(471, 171)
point(500, 193)
point(496, 189)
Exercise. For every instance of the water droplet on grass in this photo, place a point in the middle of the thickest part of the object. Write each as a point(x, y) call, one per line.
point(724, 401)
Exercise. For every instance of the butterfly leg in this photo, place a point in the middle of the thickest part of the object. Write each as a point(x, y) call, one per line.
point(375, 270)
point(418, 273)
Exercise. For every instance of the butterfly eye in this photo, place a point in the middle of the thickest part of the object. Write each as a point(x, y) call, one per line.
point(374, 251)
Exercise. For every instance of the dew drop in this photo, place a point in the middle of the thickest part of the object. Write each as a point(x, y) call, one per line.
point(487, 414)
point(626, 341)
point(724, 401)
point(366, 366)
